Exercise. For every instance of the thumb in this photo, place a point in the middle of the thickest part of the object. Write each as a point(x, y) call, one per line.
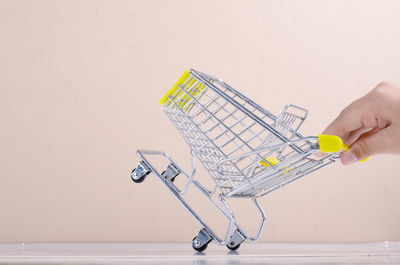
point(368, 145)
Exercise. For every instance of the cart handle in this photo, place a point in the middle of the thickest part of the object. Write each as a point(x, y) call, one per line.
point(333, 144)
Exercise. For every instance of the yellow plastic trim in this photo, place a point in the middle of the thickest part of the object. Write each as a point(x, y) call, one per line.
point(180, 81)
point(273, 161)
point(330, 143)
point(333, 144)
point(345, 147)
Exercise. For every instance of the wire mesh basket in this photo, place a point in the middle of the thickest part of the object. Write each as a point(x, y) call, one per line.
point(242, 146)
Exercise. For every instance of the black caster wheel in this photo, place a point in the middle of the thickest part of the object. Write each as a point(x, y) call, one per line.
point(139, 180)
point(236, 239)
point(233, 248)
point(199, 249)
point(140, 172)
point(163, 174)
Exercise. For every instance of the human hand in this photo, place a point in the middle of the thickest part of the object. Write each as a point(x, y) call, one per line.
point(370, 125)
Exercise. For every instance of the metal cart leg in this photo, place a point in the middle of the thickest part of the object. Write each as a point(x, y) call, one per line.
point(173, 169)
point(240, 233)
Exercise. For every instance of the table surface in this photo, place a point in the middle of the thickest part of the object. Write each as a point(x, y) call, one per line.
point(179, 253)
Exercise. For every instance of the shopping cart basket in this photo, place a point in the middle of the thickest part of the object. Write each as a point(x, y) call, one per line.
point(247, 151)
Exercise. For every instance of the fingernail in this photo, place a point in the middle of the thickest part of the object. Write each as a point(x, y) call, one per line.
point(348, 158)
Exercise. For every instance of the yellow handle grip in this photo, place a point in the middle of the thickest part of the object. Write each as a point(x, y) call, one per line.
point(333, 144)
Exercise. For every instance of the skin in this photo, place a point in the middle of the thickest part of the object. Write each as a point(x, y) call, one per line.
point(370, 125)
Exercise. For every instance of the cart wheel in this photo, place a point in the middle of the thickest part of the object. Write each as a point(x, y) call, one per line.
point(140, 172)
point(172, 180)
point(236, 239)
point(139, 180)
point(200, 242)
point(233, 248)
point(199, 249)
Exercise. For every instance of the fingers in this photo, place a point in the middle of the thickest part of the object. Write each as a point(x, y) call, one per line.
point(368, 145)
point(354, 135)
point(359, 118)
point(349, 120)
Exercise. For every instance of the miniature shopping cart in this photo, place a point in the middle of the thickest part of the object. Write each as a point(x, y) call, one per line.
point(247, 151)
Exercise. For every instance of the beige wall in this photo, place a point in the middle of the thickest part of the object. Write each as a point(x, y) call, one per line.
point(79, 85)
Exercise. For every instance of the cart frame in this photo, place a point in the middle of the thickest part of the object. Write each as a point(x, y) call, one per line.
point(198, 106)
